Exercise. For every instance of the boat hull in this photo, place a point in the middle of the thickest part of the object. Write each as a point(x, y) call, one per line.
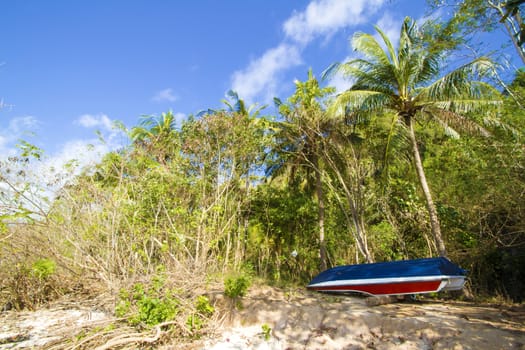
point(392, 278)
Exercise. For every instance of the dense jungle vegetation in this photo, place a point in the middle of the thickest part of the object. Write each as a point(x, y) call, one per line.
point(422, 156)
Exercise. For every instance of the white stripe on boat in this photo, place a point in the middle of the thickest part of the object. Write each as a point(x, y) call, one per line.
point(453, 281)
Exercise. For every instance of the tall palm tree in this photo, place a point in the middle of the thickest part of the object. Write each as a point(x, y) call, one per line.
point(406, 85)
point(304, 128)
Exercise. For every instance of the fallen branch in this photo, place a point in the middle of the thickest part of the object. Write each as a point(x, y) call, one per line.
point(136, 337)
point(130, 338)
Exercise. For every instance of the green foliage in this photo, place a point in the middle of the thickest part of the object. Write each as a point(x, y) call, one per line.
point(236, 286)
point(266, 331)
point(43, 268)
point(471, 18)
point(29, 150)
point(203, 306)
point(192, 200)
point(195, 322)
point(203, 311)
point(147, 306)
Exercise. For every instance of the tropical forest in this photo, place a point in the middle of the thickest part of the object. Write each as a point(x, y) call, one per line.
point(423, 156)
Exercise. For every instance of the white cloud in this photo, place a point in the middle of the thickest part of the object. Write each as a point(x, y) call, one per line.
point(94, 121)
point(325, 17)
point(47, 176)
point(22, 125)
point(17, 128)
point(82, 152)
point(262, 73)
point(165, 95)
point(321, 18)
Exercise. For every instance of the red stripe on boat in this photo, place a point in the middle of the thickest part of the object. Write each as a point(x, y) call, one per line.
point(382, 289)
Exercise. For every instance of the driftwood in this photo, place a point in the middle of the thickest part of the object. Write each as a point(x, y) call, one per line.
point(133, 338)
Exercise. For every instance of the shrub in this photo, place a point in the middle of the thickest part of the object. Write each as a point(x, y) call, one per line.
point(43, 268)
point(236, 286)
point(28, 285)
point(203, 306)
point(147, 306)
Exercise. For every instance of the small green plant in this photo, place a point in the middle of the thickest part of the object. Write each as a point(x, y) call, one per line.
point(43, 268)
point(236, 286)
point(196, 321)
point(203, 306)
point(266, 331)
point(147, 306)
point(152, 310)
point(122, 308)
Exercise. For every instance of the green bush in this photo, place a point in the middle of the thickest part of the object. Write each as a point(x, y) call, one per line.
point(196, 321)
point(147, 306)
point(236, 286)
point(203, 306)
point(43, 268)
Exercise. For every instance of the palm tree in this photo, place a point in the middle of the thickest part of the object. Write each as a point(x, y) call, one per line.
point(405, 84)
point(156, 135)
point(304, 128)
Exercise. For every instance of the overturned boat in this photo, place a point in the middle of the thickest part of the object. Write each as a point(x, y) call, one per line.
point(416, 276)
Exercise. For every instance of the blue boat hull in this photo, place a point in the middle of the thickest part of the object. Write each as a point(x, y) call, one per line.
point(392, 278)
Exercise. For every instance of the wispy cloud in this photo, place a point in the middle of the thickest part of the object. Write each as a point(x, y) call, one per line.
point(325, 17)
point(17, 128)
point(95, 121)
point(262, 73)
point(76, 154)
point(45, 176)
point(81, 152)
point(21, 125)
point(166, 95)
point(320, 19)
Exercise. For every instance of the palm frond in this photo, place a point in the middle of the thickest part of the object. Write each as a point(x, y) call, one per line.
point(466, 105)
point(427, 66)
point(360, 100)
point(454, 84)
point(452, 121)
point(449, 131)
point(491, 121)
point(370, 76)
point(390, 48)
point(396, 138)
point(406, 40)
point(370, 48)
point(331, 71)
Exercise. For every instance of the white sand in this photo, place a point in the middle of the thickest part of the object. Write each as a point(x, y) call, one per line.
point(305, 320)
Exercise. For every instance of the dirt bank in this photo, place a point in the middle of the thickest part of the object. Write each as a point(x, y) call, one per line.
point(304, 320)
point(296, 319)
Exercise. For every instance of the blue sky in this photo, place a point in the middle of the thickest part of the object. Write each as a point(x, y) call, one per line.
point(72, 67)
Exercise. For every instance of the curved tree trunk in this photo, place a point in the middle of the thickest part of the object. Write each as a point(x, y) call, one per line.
point(434, 220)
point(320, 201)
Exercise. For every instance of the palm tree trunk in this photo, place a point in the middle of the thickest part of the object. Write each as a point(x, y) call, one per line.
point(320, 201)
point(432, 212)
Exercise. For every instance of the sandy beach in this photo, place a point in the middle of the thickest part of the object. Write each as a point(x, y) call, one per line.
point(276, 319)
